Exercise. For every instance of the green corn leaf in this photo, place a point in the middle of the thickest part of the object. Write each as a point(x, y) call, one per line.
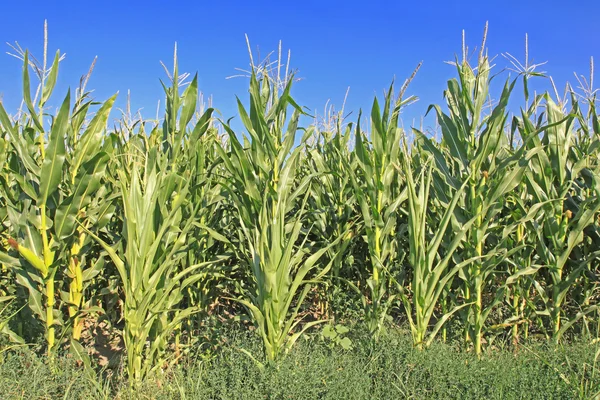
point(27, 94)
point(52, 166)
point(88, 180)
point(91, 139)
point(51, 80)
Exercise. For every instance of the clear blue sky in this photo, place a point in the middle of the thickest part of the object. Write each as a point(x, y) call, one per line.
point(335, 44)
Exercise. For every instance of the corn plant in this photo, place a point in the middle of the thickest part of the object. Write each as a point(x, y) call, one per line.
point(51, 185)
point(379, 193)
point(430, 272)
point(159, 219)
point(332, 202)
point(193, 153)
point(476, 149)
point(206, 190)
point(155, 235)
point(523, 266)
point(570, 206)
point(333, 199)
point(271, 204)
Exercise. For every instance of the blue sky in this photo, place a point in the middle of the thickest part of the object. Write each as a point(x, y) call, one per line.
point(334, 44)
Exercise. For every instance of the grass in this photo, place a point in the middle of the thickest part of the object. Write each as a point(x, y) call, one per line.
point(391, 368)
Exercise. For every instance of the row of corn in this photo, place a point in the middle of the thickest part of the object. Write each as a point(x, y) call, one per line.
point(487, 229)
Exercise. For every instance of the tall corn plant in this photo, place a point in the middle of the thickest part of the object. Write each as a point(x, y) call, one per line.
point(475, 147)
point(270, 202)
point(201, 152)
point(379, 193)
point(193, 153)
point(332, 203)
point(568, 188)
point(54, 179)
point(428, 257)
point(522, 213)
point(149, 261)
point(523, 266)
point(159, 217)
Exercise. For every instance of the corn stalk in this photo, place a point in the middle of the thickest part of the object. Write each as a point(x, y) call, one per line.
point(379, 193)
point(270, 203)
point(53, 181)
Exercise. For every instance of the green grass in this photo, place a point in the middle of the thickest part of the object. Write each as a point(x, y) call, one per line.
point(389, 369)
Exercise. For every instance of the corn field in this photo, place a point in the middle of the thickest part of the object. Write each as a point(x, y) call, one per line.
point(486, 229)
